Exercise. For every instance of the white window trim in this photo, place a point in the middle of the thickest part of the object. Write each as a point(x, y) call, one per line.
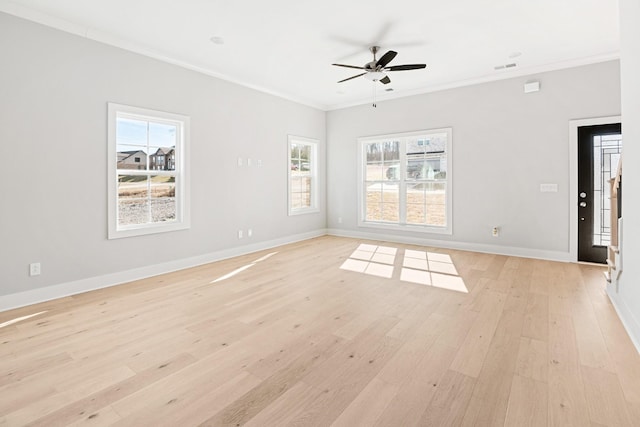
point(314, 175)
point(405, 227)
point(183, 217)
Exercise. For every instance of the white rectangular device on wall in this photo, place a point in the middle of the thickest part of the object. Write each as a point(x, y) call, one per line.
point(531, 87)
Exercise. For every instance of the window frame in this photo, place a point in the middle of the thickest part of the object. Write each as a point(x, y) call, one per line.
point(402, 225)
point(181, 172)
point(313, 169)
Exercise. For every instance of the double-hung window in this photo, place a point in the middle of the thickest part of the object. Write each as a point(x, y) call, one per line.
point(405, 181)
point(303, 170)
point(146, 194)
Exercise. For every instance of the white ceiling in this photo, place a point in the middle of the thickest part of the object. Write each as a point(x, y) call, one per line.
point(286, 47)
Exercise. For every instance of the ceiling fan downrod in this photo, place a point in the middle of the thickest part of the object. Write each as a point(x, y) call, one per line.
point(374, 50)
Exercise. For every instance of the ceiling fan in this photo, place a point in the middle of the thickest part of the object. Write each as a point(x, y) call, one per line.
point(375, 70)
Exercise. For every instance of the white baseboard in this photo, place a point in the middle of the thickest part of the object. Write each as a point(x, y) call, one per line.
point(34, 296)
point(628, 319)
point(450, 244)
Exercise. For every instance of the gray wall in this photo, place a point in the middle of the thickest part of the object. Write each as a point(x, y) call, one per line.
point(54, 89)
point(505, 144)
point(627, 296)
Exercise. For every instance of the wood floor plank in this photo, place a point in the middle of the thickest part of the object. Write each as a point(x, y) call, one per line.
point(533, 359)
point(408, 406)
point(567, 401)
point(270, 389)
point(536, 322)
point(592, 349)
point(624, 356)
point(73, 411)
point(349, 379)
point(104, 417)
point(402, 364)
point(288, 406)
point(355, 326)
point(368, 406)
point(195, 407)
point(527, 405)
point(473, 351)
point(488, 404)
point(30, 411)
point(450, 401)
point(24, 368)
point(605, 398)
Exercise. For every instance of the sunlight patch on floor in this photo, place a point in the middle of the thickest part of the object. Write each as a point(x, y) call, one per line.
point(19, 319)
point(432, 269)
point(243, 268)
point(420, 267)
point(415, 276)
point(372, 259)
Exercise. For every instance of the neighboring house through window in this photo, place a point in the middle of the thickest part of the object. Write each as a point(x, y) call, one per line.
point(303, 182)
point(405, 181)
point(163, 159)
point(146, 194)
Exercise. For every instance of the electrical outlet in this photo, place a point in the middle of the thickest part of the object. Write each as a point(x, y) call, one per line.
point(239, 234)
point(34, 269)
point(240, 162)
point(249, 232)
point(495, 232)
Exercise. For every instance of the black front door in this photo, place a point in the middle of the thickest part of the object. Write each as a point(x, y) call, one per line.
point(599, 149)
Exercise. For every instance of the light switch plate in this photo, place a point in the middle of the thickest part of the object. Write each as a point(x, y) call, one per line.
point(548, 188)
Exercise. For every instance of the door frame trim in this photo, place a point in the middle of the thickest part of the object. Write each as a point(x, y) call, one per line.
point(573, 176)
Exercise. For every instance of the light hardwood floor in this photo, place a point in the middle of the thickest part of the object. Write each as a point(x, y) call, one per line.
point(293, 339)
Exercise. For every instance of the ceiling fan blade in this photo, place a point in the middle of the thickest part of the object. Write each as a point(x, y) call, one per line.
point(405, 67)
point(352, 77)
point(349, 66)
point(386, 80)
point(386, 58)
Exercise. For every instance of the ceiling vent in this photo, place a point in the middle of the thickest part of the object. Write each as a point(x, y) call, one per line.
point(502, 67)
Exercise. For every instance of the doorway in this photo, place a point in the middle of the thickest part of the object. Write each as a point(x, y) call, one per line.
point(599, 149)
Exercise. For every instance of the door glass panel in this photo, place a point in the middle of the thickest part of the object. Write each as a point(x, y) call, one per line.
point(606, 156)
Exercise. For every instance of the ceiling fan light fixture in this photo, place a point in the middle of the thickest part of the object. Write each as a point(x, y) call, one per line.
point(374, 76)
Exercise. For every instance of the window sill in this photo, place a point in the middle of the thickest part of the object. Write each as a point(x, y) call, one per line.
point(407, 227)
point(147, 229)
point(303, 211)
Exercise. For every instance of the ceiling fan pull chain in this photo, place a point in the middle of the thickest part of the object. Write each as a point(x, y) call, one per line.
point(373, 85)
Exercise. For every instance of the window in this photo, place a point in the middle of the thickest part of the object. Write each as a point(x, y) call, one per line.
point(405, 181)
point(303, 182)
point(143, 197)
